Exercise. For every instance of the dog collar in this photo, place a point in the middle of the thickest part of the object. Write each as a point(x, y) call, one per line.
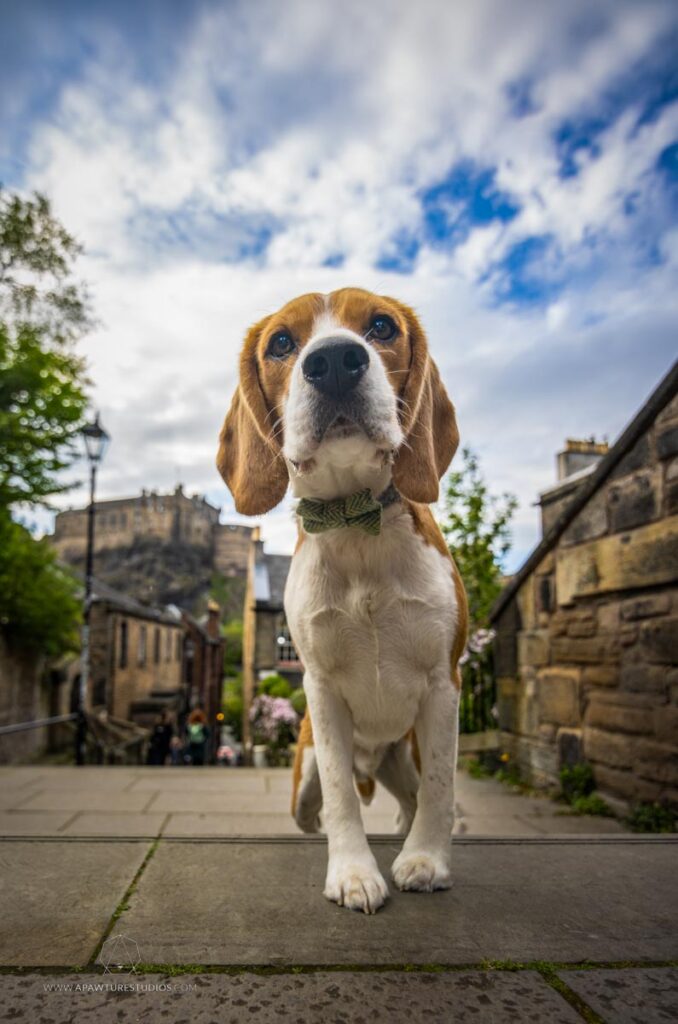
point(358, 509)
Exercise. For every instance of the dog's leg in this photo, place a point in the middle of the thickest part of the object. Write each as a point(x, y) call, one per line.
point(309, 799)
point(398, 774)
point(425, 859)
point(353, 878)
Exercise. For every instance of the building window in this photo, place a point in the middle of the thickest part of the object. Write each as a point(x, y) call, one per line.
point(156, 646)
point(122, 656)
point(286, 649)
point(141, 652)
point(123, 520)
point(168, 645)
point(178, 647)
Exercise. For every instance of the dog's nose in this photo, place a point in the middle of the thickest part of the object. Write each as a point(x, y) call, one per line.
point(336, 367)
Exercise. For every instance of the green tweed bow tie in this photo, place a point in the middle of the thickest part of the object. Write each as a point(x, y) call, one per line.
point(359, 509)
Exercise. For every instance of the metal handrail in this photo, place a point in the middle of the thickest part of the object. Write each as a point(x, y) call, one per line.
point(24, 726)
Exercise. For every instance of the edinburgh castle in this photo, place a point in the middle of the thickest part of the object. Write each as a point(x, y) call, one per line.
point(159, 548)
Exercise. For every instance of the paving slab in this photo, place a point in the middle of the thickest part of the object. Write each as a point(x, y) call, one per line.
point(495, 825)
point(647, 995)
point(260, 902)
point(334, 998)
point(57, 897)
point(230, 825)
point(88, 799)
point(88, 823)
point(29, 823)
point(197, 780)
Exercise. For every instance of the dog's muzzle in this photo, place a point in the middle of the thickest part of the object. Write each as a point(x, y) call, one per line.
point(336, 367)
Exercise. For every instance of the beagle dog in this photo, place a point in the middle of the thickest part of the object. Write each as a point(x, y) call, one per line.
point(339, 397)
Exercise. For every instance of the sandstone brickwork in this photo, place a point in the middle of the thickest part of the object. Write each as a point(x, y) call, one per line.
point(586, 651)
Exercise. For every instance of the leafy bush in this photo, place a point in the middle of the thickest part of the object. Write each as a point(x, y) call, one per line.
point(298, 701)
point(577, 781)
point(275, 686)
point(646, 817)
point(232, 705)
point(232, 633)
point(591, 804)
point(274, 720)
point(40, 604)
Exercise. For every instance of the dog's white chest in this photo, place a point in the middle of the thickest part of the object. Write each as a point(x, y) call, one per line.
point(373, 618)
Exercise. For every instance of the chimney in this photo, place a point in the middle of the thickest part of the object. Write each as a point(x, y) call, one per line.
point(578, 455)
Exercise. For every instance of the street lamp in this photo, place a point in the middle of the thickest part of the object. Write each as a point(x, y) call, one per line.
point(96, 440)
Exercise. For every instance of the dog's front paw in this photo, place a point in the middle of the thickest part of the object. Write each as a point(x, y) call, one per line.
point(419, 871)
point(357, 885)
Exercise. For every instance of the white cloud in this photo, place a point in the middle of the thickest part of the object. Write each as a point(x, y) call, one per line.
point(326, 128)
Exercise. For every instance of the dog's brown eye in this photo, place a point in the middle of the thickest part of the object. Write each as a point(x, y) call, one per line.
point(382, 328)
point(280, 345)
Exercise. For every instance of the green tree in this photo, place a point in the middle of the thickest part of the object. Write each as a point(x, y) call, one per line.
point(40, 608)
point(42, 381)
point(43, 310)
point(232, 632)
point(476, 526)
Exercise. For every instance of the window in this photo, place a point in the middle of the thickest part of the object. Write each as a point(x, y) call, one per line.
point(122, 653)
point(286, 649)
point(141, 650)
point(178, 647)
point(168, 645)
point(156, 646)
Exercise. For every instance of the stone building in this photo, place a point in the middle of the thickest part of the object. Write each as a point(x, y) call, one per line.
point(136, 656)
point(120, 521)
point(168, 518)
point(586, 652)
point(204, 650)
point(267, 646)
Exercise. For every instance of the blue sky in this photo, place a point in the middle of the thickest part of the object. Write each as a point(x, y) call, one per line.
point(510, 169)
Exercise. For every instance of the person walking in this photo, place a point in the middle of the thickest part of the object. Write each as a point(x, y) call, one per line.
point(161, 738)
point(197, 734)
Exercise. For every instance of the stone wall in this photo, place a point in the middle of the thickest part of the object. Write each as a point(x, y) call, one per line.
point(231, 549)
point(587, 650)
point(23, 698)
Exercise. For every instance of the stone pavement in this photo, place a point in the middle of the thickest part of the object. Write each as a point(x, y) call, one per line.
point(100, 923)
point(129, 801)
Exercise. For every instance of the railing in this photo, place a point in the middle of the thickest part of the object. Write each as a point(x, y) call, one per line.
point(6, 730)
point(478, 705)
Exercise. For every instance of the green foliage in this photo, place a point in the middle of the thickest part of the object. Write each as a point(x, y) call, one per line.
point(653, 817)
point(42, 382)
point(577, 784)
point(37, 257)
point(477, 769)
point(577, 781)
point(232, 633)
point(39, 601)
point(476, 527)
point(229, 593)
point(275, 686)
point(298, 701)
point(42, 402)
point(232, 705)
point(592, 804)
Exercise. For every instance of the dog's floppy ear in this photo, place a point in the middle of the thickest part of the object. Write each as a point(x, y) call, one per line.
point(250, 457)
point(428, 422)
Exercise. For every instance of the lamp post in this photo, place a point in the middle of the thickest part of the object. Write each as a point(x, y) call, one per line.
point(96, 439)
